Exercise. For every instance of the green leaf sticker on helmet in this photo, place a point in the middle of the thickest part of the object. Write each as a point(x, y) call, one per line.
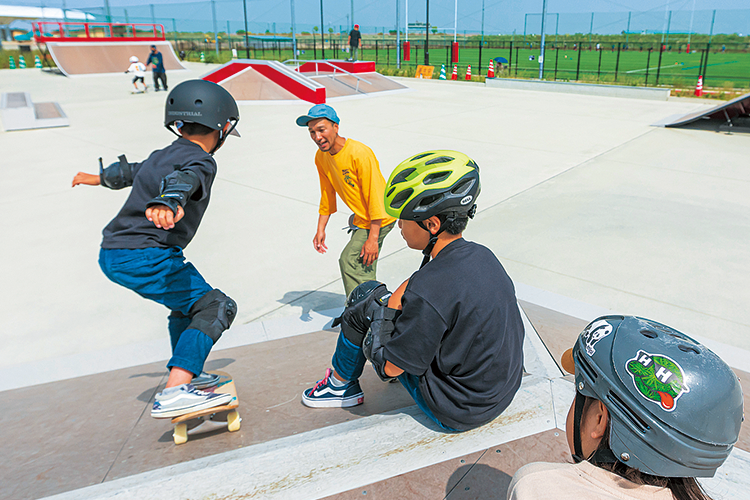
point(657, 378)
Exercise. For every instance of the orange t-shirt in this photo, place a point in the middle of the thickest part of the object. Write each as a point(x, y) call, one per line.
point(354, 174)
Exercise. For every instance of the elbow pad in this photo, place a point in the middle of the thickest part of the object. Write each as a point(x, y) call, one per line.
point(176, 190)
point(379, 334)
point(118, 175)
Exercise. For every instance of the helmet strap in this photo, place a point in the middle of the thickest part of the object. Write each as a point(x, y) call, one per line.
point(599, 456)
point(433, 238)
point(223, 137)
point(577, 414)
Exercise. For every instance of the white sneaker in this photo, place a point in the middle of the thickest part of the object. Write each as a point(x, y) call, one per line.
point(185, 398)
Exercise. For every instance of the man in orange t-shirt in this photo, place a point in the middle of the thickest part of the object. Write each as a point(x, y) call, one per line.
point(349, 169)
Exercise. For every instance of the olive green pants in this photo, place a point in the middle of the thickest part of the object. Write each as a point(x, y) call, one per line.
point(353, 271)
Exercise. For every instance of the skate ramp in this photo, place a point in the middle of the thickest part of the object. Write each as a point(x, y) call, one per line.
point(251, 85)
point(734, 114)
point(86, 58)
point(342, 85)
point(251, 80)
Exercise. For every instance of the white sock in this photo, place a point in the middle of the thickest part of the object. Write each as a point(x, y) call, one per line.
point(336, 382)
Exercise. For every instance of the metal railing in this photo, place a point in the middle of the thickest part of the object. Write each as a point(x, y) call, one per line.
point(335, 68)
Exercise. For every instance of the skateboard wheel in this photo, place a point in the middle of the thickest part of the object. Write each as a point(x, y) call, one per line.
point(180, 433)
point(233, 421)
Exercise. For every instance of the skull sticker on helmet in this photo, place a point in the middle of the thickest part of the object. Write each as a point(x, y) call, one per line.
point(594, 333)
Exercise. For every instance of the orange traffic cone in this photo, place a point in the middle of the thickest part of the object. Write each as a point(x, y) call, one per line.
point(699, 87)
point(454, 76)
point(491, 69)
point(468, 73)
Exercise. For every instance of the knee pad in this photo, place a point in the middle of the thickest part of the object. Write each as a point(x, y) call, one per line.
point(360, 306)
point(213, 313)
point(380, 333)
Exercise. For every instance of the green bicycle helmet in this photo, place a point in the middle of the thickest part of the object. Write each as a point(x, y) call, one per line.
point(432, 183)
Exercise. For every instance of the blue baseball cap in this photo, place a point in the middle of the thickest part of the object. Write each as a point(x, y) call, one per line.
point(318, 111)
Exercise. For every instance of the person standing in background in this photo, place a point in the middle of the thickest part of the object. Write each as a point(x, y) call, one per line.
point(155, 59)
point(355, 39)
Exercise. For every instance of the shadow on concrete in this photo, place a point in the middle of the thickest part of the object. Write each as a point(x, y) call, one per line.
point(313, 300)
point(477, 481)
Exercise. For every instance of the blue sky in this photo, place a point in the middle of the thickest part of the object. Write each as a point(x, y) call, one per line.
point(501, 16)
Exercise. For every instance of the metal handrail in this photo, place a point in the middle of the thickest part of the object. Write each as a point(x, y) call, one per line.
point(329, 63)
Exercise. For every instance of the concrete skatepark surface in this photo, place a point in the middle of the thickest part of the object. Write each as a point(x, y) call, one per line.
point(588, 207)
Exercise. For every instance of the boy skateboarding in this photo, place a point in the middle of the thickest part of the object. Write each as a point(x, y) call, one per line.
point(142, 246)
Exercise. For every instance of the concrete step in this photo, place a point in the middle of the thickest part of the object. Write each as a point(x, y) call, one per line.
point(18, 112)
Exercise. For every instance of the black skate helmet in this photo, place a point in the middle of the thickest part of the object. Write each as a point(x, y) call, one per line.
point(675, 407)
point(204, 102)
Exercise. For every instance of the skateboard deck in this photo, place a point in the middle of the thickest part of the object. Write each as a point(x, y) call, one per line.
point(206, 417)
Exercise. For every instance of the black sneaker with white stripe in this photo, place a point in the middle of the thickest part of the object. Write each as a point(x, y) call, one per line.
point(326, 395)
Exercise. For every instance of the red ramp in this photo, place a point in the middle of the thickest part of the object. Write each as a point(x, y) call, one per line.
point(259, 80)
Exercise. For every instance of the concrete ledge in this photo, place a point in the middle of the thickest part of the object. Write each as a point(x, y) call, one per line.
point(580, 88)
point(334, 459)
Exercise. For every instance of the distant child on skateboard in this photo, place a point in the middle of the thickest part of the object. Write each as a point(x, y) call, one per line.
point(139, 70)
point(142, 246)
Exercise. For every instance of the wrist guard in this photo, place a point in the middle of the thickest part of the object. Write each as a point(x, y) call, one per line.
point(379, 334)
point(117, 175)
point(176, 190)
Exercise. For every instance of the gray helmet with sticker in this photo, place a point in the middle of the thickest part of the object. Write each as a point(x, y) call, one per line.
point(675, 407)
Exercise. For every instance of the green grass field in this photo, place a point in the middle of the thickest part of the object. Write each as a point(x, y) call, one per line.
point(676, 69)
point(725, 70)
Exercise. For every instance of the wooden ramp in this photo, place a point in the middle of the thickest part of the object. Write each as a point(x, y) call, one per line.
point(85, 58)
point(251, 85)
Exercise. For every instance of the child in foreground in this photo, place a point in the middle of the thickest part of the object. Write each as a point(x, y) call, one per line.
point(142, 246)
point(653, 411)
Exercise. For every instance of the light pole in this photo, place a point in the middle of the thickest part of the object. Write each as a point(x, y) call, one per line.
point(398, 37)
point(627, 30)
point(294, 33)
point(541, 53)
point(406, 20)
point(247, 44)
point(216, 30)
point(427, 36)
point(322, 29)
point(455, 21)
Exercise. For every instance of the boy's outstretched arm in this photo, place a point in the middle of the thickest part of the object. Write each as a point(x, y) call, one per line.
point(87, 179)
point(116, 176)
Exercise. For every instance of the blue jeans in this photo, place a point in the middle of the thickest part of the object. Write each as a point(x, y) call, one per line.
point(162, 275)
point(349, 361)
